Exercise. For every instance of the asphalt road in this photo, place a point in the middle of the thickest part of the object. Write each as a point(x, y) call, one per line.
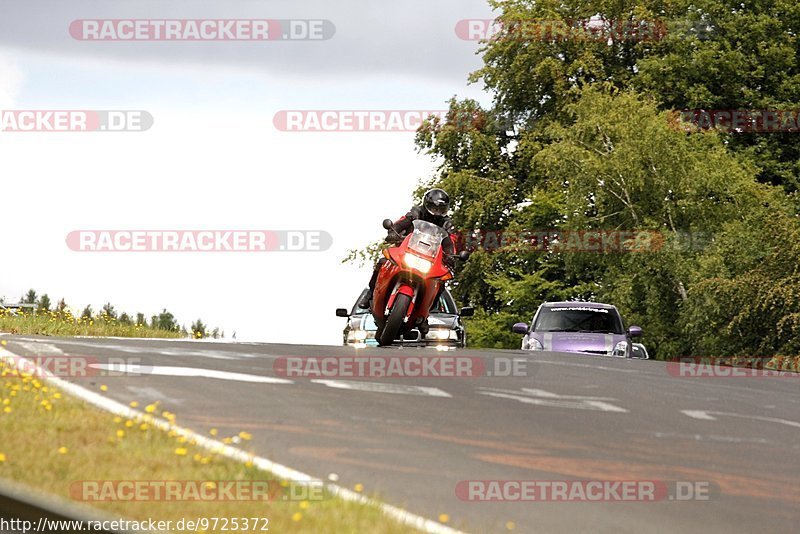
point(412, 440)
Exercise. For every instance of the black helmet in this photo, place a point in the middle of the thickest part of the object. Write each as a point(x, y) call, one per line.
point(436, 202)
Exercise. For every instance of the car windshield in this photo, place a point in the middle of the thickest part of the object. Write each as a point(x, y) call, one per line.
point(578, 319)
point(369, 323)
point(426, 239)
point(444, 304)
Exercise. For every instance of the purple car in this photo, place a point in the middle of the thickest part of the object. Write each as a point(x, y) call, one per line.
point(586, 327)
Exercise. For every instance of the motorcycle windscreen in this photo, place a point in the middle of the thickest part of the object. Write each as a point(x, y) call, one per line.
point(426, 239)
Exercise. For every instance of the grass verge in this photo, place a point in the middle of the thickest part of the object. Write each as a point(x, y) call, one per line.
point(55, 323)
point(52, 441)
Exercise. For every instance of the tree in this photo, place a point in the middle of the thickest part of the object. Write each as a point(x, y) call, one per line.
point(44, 303)
point(165, 321)
point(87, 312)
point(577, 138)
point(199, 329)
point(140, 319)
point(108, 311)
point(614, 164)
point(29, 298)
point(714, 54)
point(619, 165)
point(745, 300)
point(752, 50)
point(125, 319)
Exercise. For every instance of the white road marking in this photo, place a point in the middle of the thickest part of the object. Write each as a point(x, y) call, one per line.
point(279, 470)
point(540, 397)
point(601, 367)
point(699, 414)
point(132, 349)
point(548, 395)
point(705, 415)
point(188, 371)
point(42, 349)
point(383, 387)
point(706, 437)
point(153, 394)
point(167, 339)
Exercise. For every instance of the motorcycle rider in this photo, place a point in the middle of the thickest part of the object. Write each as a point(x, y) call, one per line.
point(434, 208)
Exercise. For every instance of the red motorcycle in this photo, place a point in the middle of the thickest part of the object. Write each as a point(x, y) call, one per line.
point(409, 281)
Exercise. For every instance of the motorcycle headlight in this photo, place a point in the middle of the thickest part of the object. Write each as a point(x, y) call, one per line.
point(620, 349)
point(418, 264)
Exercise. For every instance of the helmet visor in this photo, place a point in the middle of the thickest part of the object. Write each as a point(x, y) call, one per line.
point(437, 207)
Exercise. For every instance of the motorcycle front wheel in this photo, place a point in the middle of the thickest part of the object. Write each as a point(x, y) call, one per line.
point(395, 320)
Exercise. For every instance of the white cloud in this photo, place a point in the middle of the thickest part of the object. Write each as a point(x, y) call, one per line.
point(222, 168)
point(11, 80)
point(213, 159)
point(372, 39)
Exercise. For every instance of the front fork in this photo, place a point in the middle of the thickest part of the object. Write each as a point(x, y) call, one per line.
point(398, 286)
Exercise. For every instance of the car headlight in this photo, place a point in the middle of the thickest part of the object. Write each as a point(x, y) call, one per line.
point(419, 264)
point(356, 335)
point(534, 344)
point(442, 334)
point(620, 349)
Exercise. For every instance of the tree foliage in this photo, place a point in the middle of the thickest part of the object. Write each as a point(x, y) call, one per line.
point(579, 137)
point(199, 330)
point(43, 303)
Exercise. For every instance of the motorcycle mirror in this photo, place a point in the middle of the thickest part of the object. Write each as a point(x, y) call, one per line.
point(387, 223)
point(463, 255)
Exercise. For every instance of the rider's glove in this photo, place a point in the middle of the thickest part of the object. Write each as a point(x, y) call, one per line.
point(448, 226)
point(393, 238)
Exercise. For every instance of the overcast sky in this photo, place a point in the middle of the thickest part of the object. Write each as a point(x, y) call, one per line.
point(213, 159)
